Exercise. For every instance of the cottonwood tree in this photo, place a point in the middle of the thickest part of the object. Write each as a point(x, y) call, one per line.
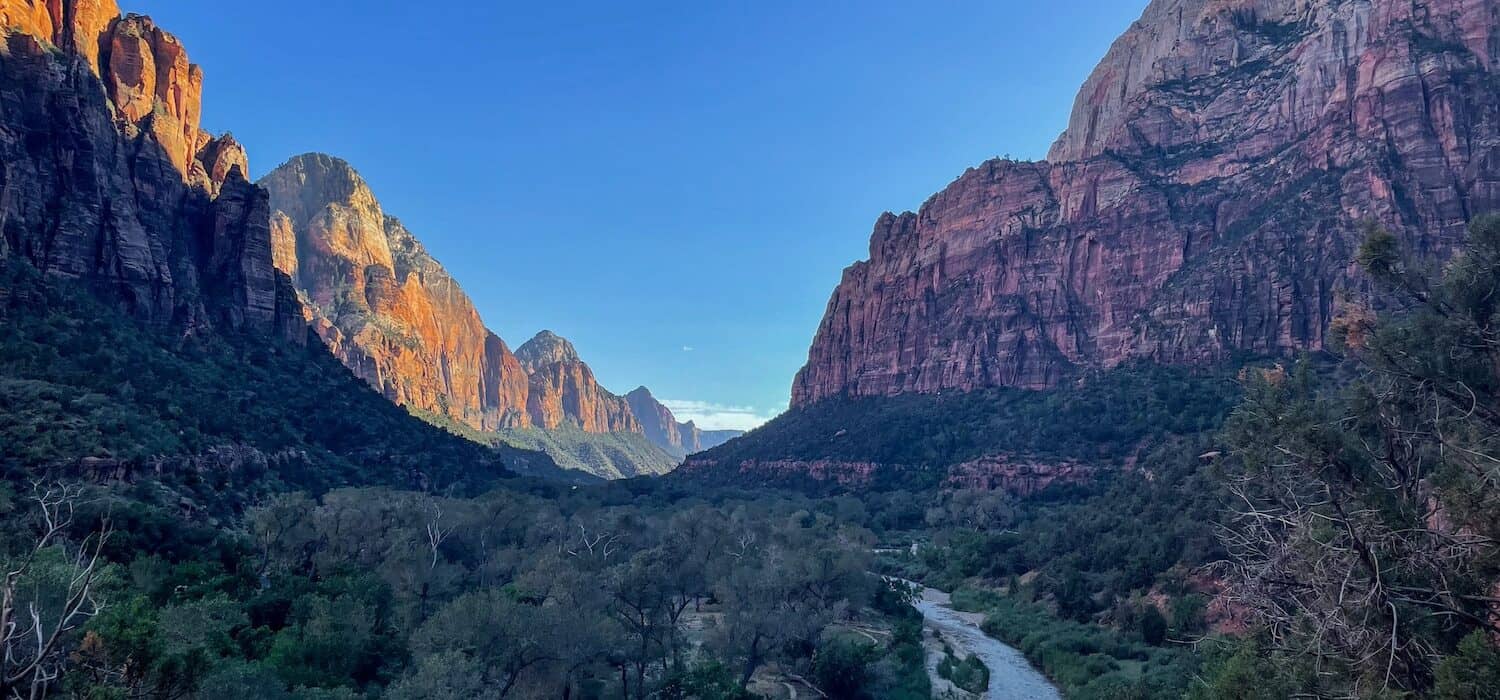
point(498, 637)
point(50, 591)
point(1363, 525)
point(642, 606)
point(283, 531)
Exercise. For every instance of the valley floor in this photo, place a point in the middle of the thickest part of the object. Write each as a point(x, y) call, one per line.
point(1012, 677)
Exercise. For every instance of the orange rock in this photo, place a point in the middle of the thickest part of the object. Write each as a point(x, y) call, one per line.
point(383, 305)
point(563, 389)
point(130, 193)
point(154, 86)
point(33, 17)
point(85, 26)
point(395, 317)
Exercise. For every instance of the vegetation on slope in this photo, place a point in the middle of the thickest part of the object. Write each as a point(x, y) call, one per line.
point(1364, 517)
point(224, 526)
point(583, 455)
point(607, 455)
point(85, 391)
point(1103, 417)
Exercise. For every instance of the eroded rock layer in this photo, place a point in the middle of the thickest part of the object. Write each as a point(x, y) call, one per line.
point(385, 307)
point(1206, 199)
point(395, 316)
point(563, 388)
point(108, 178)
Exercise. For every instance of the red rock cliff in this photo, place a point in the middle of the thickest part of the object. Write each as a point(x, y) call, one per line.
point(563, 389)
point(395, 316)
point(662, 428)
point(1206, 198)
point(109, 179)
point(385, 307)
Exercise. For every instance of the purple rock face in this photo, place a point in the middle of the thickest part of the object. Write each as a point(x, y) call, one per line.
point(1207, 197)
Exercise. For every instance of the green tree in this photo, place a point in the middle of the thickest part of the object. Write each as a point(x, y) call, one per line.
point(1472, 673)
point(1153, 626)
point(1364, 519)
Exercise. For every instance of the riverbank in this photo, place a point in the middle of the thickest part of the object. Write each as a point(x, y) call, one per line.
point(1012, 677)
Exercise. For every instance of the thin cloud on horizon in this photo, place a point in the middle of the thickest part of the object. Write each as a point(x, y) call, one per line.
point(715, 416)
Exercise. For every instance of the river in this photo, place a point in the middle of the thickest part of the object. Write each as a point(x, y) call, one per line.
point(1011, 675)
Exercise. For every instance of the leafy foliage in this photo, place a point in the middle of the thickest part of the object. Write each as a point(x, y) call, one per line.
point(220, 417)
point(968, 673)
point(1104, 417)
point(1364, 515)
point(1085, 661)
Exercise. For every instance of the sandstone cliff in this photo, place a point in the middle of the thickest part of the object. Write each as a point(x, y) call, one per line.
point(385, 307)
point(395, 316)
point(662, 428)
point(1205, 199)
point(563, 390)
point(109, 179)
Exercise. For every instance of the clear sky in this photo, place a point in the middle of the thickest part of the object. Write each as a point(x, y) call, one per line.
point(675, 186)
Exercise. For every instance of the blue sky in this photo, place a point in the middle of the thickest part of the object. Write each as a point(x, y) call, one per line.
point(675, 186)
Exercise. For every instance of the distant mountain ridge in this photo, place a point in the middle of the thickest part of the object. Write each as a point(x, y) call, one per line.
point(662, 428)
point(399, 320)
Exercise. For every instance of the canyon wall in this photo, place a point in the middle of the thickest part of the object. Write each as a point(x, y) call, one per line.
point(394, 315)
point(110, 180)
point(662, 428)
point(1206, 199)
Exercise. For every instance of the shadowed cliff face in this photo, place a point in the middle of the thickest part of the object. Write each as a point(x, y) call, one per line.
point(108, 178)
point(662, 428)
point(1206, 198)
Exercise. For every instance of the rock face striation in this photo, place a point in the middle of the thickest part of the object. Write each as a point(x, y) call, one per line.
point(395, 316)
point(662, 428)
point(563, 389)
point(1207, 198)
point(109, 179)
point(384, 307)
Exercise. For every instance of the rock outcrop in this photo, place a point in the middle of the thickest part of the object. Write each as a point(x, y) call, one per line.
point(383, 305)
point(108, 178)
point(662, 428)
point(1206, 199)
point(563, 389)
point(1021, 477)
point(395, 316)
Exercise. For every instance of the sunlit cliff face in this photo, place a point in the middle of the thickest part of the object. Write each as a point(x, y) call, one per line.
point(1206, 199)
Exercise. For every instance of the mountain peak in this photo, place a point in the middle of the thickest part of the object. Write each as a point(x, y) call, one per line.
point(324, 178)
point(547, 348)
point(1214, 139)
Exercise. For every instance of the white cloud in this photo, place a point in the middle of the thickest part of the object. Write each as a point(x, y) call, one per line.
point(688, 348)
point(717, 416)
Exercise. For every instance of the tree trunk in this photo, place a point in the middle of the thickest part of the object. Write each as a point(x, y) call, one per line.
point(752, 662)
